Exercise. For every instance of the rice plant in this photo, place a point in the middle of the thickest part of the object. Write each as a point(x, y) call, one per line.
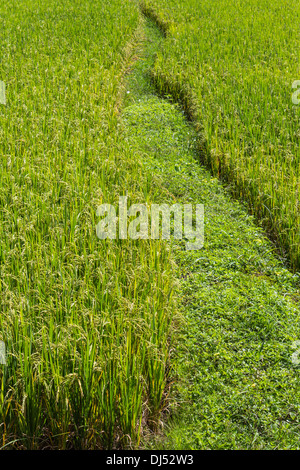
point(86, 322)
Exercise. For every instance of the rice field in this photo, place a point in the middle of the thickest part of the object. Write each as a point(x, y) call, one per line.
point(233, 64)
point(89, 325)
point(86, 322)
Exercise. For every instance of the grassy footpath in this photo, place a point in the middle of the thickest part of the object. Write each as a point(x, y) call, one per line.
point(235, 384)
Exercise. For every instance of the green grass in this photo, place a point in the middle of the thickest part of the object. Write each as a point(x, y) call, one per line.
point(234, 383)
point(232, 65)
